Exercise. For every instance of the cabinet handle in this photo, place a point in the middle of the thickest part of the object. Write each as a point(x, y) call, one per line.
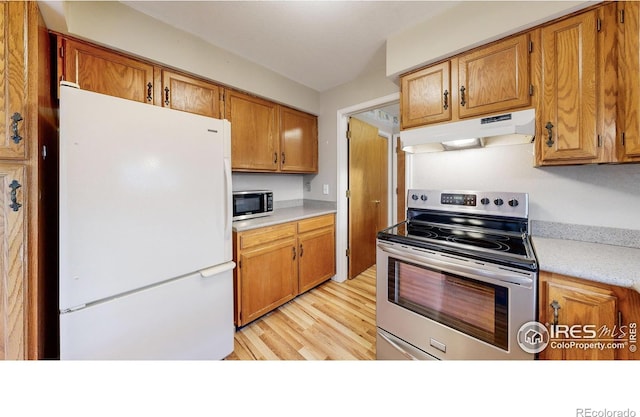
point(301, 250)
point(446, 99)
point(555, 306)
point(282, 158)
point(293, 249)
point(549, 128)
point(166, 96)
point(17, 117)
point(149, 91)
point(15, 206)
point(275, 157)
point(463, 102)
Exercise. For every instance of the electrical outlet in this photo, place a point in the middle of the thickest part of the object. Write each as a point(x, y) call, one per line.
point(325, 189)
point(307, 186)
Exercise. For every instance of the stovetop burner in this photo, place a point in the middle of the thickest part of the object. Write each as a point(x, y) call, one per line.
point(482, 226)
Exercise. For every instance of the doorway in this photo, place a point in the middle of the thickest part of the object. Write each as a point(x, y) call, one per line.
point(368, 192)
point(342, 218)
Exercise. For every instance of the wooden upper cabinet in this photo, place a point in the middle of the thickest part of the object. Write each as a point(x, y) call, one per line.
point(629, 77)
point(107, 72)
point(298, 141)
point(13, 85)
point(426, 96)
point(570, 80)
point(254, 132)
point(494, 78)
point(181, 92)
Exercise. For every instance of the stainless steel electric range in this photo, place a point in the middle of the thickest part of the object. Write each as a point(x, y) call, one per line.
point(457, 279)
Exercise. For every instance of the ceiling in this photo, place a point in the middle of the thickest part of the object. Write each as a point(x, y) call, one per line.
point(320, 44)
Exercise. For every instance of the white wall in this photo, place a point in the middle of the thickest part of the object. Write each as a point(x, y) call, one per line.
point(466, 25)
point(595, 195)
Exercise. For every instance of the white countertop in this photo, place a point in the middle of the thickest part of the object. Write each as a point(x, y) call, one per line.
point(310, 208)
point(609, 264)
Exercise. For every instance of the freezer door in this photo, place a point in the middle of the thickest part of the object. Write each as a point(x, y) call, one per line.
point(145, 195)
point(187, 318)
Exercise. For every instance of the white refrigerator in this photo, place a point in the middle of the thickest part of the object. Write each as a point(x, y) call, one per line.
point(145, 231)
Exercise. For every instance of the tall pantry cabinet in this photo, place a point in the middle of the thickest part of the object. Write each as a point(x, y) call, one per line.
point(26, 125)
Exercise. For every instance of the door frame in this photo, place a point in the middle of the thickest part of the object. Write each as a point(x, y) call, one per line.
point(342, 214)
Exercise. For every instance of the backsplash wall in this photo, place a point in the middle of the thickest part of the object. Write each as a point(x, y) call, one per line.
point(284, 186)
point(596, 195)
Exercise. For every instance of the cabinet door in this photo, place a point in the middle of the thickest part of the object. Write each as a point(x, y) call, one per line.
point(106, 72)
point(298, 141)
point(629, 76)
point(495, 78)
point(577, 304)
point(12, 267)
point(180, 92)
point(13, 85)
point(425, 96)
point(268, 278)
point(317, 255)
point(254, 132)
point(569, 108)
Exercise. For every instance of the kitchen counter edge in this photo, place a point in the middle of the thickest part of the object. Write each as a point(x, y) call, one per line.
point(608, 264)
point(287, 214)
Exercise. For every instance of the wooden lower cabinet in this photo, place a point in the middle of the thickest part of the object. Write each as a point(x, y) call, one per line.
point(584, 318)
point(277, 263)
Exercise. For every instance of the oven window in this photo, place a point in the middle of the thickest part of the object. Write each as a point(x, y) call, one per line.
point(473, 307)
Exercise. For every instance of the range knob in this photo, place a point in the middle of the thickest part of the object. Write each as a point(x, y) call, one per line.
point(513, 202)
point(423, 197)
point(498, 202)
point(414, 197)
point(485, 201)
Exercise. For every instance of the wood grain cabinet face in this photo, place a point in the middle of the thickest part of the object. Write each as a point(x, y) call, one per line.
point(254, 132)
point(629, 76)
point(180, 92)
point(495, 78)
point(316, 250)
point(609, 310)
point(426, 96)
point(106, 72)
point(570, 80)
point(13, 250)
point(13, 86)
point(298, 141)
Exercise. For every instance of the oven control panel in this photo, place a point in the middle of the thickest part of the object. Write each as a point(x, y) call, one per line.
point(479, 202)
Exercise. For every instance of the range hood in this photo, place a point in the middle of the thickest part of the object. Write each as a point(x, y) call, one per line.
point(501, 129)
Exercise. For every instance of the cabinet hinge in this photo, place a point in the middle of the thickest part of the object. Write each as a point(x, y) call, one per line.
point(44, 152)
point(347, 252)
point(530, 46)
point(239, 264)
point(530, 89)
point(347, 194)
point(622, 16)
point(61, 51)
point(598, 25)
point(348, 134)
point(221, 95)
point(599, 141)
point(622, 138)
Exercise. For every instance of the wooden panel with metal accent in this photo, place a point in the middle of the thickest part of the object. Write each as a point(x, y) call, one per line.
point(316, 250)
point(426, 96)
point(298, 141)
point(628, 139)
point(105, 71)
point(193, 95)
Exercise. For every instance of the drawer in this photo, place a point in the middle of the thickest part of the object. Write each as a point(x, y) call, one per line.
point(264, 235)
point(315, 223)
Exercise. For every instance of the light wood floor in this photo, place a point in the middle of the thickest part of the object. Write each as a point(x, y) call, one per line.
point(332, 321)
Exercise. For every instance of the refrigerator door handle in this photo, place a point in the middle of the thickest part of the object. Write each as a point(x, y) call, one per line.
point(218, 269)
point(227, 196)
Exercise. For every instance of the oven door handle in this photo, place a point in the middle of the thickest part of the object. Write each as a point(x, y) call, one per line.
point(497, 275)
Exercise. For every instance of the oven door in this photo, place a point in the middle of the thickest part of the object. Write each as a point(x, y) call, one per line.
point(451, 307)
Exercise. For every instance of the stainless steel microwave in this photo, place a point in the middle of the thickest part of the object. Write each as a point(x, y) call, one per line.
point(251, 204)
